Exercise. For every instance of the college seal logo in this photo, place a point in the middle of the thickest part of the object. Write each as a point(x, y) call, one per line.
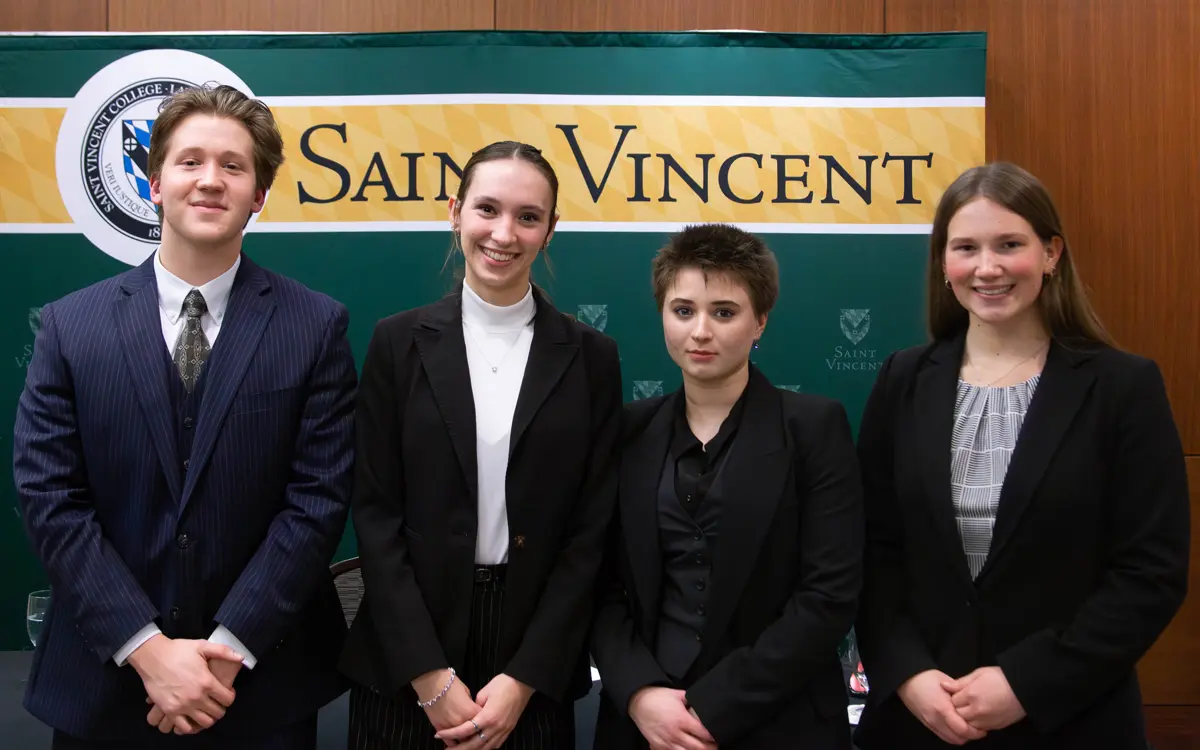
point(104, 145)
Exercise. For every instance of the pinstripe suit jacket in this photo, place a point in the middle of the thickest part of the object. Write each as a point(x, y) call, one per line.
point(241, 537)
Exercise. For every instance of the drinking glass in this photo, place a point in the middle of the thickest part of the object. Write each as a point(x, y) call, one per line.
point(35, 611)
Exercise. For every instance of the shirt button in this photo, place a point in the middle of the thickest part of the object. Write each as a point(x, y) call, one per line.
point(700, 609)
point(188, 422)
point(689, 498)
point(700, 585)
point(699, 637)
point(182, 540)
point(698, 536)
point(699, 557)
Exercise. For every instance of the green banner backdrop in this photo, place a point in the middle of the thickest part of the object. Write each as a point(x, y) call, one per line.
point(834, 148)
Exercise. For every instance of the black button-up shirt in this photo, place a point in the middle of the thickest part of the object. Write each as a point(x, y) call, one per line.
point(689, 514)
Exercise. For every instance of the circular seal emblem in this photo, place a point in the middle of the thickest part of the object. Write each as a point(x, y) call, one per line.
point(104, 143)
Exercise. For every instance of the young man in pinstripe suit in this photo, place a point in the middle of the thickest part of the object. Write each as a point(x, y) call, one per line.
point(183, 450)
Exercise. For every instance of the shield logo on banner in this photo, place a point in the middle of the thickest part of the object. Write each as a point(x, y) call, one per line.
point(647, 389)
point(135, 145)
point(595, 316)
point(856, 323)
point(35, 320)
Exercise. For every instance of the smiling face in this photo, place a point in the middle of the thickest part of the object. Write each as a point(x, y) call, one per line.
point(503, 221)
point(206, 189)
point(995, 262)
point(709, 325)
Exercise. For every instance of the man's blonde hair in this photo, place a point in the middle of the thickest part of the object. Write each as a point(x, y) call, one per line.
point(220, 101)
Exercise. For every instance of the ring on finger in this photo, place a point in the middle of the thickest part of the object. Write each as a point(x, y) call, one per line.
point(477, 729)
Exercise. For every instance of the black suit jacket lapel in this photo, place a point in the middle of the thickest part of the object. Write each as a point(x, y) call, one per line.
point(439, 337)
point(550, 353)
point(933, 413)
point(139, 327)
point(250, 309)
point(641, 468)
point(1061, 390)
point(750, 487)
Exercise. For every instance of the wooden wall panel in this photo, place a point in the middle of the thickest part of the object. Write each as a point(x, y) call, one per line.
point(1099, 100)
point(300, 15)
point(917, 16)
point(813, 16)
point(53, 15)
point(1169, 673)
point(1173, 727)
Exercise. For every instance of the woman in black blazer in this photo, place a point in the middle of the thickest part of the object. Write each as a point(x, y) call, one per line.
point(1027, 506)
point(736, 549)
point(487, 426)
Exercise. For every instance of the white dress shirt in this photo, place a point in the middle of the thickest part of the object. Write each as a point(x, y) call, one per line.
point(171, 292)
point(497, 341)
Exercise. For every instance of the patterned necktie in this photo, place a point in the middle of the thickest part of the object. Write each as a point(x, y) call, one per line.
point(191, 350)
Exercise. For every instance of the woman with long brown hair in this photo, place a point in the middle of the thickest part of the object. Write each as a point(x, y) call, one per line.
point(487, 424)
point(1026, 498)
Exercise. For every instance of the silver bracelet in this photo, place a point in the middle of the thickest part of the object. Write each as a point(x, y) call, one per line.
point(439, 696)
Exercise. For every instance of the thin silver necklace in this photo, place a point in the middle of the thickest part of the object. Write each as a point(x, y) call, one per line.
point(1011, 369)
point(478, 348)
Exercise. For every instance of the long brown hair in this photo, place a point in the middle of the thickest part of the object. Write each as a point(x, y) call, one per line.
point(1063, 302)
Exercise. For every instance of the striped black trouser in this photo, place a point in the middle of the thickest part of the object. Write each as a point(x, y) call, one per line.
point(381, 723)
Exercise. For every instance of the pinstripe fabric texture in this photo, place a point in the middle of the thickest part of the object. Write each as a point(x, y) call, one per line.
point(987, 422)
point(380, 723)
point(240, 533)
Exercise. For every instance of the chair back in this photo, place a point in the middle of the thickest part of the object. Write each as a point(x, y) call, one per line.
point(347, 578)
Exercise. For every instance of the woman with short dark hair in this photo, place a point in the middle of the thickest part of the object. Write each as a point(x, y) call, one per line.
point(736, 550)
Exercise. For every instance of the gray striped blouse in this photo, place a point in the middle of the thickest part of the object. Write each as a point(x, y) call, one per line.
point(986, 424)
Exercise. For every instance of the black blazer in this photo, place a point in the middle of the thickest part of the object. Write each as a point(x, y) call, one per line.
point(1087, 565)
point(786, 576)
point(415, 503)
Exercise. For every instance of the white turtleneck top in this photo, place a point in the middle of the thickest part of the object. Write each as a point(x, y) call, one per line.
point(497, 341)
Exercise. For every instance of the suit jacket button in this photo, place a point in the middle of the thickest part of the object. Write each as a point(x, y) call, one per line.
point(519, 540)
point(186, 461)
point(174, 613)
point(182, 540)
